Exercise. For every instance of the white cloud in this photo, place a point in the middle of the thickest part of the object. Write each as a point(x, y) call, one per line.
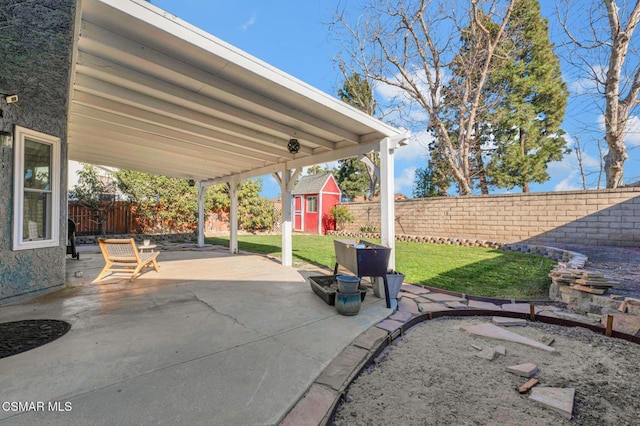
point(568, 183)
point(404, 183)
point(588, 85)
point(249, 23)
point(632, 136)
point(633, 131)
point(417, 146)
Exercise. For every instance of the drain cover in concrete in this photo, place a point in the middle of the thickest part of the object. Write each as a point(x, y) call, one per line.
point(20, 336)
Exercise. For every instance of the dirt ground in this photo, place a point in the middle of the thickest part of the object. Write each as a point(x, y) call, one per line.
point(432, 377)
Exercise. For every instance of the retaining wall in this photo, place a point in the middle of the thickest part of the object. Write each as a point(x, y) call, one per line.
point(602, 217)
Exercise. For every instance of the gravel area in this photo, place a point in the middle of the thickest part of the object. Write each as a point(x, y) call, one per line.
point(621, 264)
point(432, 376)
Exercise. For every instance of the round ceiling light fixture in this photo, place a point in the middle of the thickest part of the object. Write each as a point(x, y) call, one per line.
point(293, 146)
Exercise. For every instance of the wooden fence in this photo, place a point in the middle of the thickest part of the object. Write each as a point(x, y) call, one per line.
point(122, 220)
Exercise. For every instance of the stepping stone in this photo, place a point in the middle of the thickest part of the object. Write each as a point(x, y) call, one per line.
point(476, 304)
point(558, 399)
point(337, 373)
point(415, 289)
point(390, 325)
point(441, 297)
point(401, 316)
point(508, 322)
point(523, 370)
point(456, 305)
point(404, 294)
point(433, 307)
point(371, 338)
point(500, 350)
point(312, 408)
point(486, 353)
point(495, 332)
point(522, 308)
point(408, 305)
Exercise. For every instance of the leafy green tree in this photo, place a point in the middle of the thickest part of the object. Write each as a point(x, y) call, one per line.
point(95, 193)
point(167, 204)
point(531, 102)
point(255, 213)
point(352, 178)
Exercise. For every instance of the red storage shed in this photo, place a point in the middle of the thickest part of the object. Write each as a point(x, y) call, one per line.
point(314, 196)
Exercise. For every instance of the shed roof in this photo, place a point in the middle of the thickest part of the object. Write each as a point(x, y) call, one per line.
point(154, 93)
point(311, 184)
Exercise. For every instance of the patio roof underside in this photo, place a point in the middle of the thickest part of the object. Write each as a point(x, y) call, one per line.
point(153, 93)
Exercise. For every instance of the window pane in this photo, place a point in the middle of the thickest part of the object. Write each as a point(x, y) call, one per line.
point(36, 216)
point(37, 165)
point(312, 204)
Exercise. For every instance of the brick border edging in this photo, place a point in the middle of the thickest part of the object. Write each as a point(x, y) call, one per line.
point(319, 404)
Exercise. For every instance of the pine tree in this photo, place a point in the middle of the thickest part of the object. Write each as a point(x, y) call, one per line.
point(353, 176)
point(531, 102)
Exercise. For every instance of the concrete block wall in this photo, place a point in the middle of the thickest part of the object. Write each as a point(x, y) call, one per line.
point(603, 217)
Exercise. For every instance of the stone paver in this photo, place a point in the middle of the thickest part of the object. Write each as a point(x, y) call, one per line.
point(441, 297)
point(486, 353)
point(415, 289)
point(312, 408)
point(408, 295)
point(371, 338)
point(523, 308)
point(340, 369)
point(390, 325)
point(558, 399)
point(433, 307)
point(495, 332)
point(508, 322)
point(624, 323)
point(455, 305)
point(401, 316)
point(477, 304)
point(527, 369)
point(408, 305)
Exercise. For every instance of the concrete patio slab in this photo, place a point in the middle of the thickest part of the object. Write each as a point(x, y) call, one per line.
point(210, 339)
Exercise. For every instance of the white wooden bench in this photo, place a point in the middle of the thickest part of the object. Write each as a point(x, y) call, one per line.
point(122, 255)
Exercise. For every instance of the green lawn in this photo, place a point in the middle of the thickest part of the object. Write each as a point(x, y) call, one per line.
point(470, 270)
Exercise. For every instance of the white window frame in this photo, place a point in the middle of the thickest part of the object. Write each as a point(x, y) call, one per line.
point(309, 197)
point(21, 135)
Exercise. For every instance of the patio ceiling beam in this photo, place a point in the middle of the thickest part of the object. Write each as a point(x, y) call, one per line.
point(93, 156)
point(156, 136)
point(134, 143)
point(201, 130)
point(118, 49)
point(121, 94)
point(105, 143)
point(338, 154)
point(142, 83)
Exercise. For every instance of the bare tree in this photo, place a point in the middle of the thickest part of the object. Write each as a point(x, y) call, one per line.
point(407, 47)
point(602, 50)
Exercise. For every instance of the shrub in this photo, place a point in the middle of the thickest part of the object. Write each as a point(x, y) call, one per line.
point(341, 215)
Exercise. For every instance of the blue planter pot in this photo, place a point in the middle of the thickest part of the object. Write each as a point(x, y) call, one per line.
point(348, 304)
point(348, 284)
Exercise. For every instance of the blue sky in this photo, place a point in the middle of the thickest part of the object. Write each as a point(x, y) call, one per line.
point(294, 36)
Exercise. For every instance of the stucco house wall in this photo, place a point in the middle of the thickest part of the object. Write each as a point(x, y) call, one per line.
point(36, 42)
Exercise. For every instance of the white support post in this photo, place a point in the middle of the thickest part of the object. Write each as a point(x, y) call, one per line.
point(387, 202)
point(233, 216)
point(388, 146)
point(287, 217)
point(201, 191)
